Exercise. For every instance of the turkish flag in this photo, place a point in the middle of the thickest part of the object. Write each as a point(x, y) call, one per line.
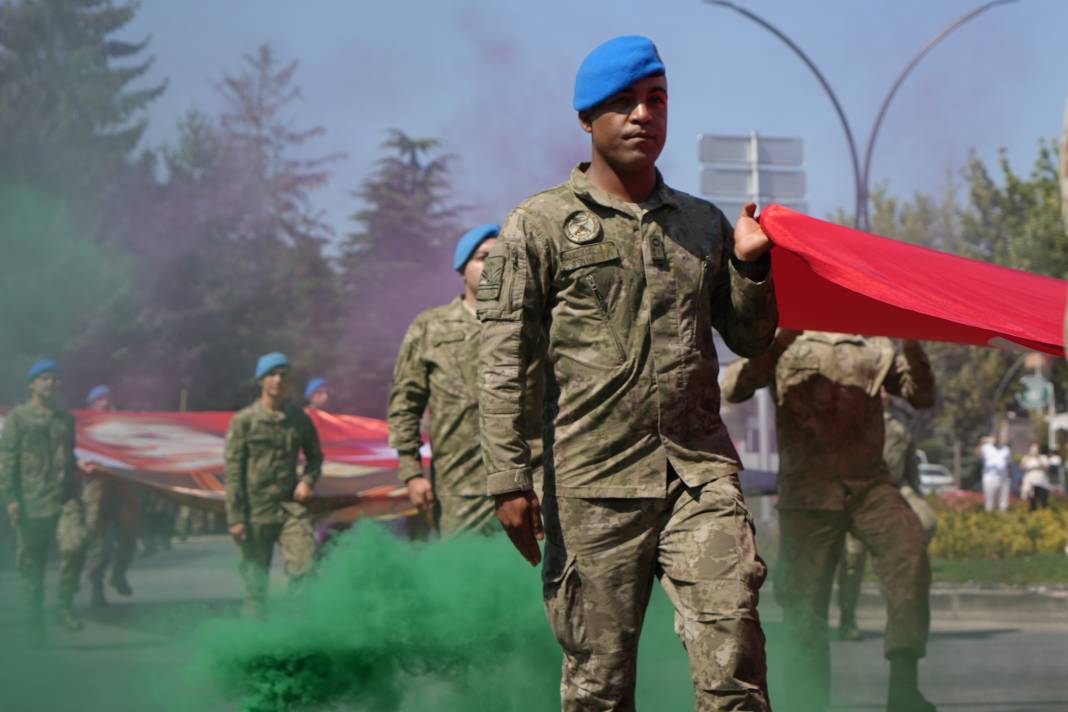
point(833, 278)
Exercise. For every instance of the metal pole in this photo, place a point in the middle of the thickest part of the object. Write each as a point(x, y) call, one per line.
point(870, 149)
point(826, 87)
point(861, 176)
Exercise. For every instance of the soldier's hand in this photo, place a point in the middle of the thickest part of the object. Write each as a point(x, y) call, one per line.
point(13, 514)
point(750, 242)
point(785, 337)
point(303, 492)
point(520, 513)
point(237, 533)
point(421, 493)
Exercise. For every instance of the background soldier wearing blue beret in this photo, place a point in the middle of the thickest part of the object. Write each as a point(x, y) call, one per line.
point(437, 369)
point(316, 394)
point(112, 520)
point(264, 493)
point(39, 489)
point(620, 279)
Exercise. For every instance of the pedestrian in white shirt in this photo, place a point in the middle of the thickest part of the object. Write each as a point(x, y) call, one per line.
point(996, 480)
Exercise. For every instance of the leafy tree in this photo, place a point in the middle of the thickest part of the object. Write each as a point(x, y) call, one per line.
point(1016, 222)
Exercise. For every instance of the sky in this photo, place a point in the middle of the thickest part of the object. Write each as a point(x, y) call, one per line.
point(493, 82)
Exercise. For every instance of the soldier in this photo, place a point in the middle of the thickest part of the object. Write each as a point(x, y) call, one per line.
point(264, 494)
point(833, 480)
point(620, 279)
point(437, 369)
point(317, 394)
point(39, 489)
point(899, 452)
point(112, 511)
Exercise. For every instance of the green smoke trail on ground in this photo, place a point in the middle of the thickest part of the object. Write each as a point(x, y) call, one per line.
point(388, 625)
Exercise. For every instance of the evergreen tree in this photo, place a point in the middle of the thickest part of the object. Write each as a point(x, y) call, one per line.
point(398, 262)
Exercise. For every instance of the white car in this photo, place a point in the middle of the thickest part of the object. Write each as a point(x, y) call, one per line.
point(935, 479)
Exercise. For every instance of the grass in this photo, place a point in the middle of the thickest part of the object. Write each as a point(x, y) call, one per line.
point(1039, 569)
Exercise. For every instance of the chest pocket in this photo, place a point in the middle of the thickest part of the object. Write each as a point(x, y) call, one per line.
point(592, 275)
point(449, 337)
point(795, 367)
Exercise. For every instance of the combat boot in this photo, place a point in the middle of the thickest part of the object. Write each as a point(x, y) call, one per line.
point(68, 620)
point(847, 629)
point(904, 693)
point(121, 585)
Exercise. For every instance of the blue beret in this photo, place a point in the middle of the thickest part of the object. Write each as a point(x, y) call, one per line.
point(314, 385)
point(470, 242)
point(45, 365)
point(269, 362)
point(97, 393)
point(612, 67)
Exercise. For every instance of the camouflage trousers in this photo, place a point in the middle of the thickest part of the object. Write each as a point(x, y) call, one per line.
point(811, 543)
point(461, 513)
point(295, 536)
point(112, 511)
point(601, 556)
point(34, 537)
point(851, 570)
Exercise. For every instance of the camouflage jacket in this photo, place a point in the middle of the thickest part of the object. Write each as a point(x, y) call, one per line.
point(262, 453)
point(37, 460)
point(622, 299)
point(899, 447)
point(829, 415)
point(437, 369)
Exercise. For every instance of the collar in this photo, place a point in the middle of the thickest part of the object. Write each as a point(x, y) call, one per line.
point(661, 196)
point(459, 310)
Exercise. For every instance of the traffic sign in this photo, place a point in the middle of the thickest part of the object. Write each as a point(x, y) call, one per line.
point(770, 150)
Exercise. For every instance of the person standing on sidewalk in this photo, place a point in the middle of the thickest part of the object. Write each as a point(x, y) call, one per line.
point(617, 280)
point(997, 479)
point(833, 479)
point(39, 490)
point(265, 495)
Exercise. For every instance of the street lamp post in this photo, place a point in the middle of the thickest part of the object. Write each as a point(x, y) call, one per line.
point(861, 172)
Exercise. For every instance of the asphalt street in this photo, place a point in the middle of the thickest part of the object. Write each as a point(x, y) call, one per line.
point(984, 666)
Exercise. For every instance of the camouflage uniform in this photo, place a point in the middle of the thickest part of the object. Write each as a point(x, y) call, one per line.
point(262, 453)
point(437, 369)
point(640, 472)
point(111, 509)
point(833, 479)
point(37, 472)
point(899, 451)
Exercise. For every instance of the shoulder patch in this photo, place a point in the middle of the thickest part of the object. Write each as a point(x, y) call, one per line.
point(581, 227)
point(489, 285)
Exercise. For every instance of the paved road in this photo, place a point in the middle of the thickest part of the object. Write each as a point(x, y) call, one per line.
point(134, 656)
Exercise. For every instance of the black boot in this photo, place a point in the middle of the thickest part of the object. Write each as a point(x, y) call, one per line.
point(96, 595)
point(904, 694)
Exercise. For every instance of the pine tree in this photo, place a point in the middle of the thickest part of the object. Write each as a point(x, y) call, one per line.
point(398, 261)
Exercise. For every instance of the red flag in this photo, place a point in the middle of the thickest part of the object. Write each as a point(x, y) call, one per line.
point(833, 278)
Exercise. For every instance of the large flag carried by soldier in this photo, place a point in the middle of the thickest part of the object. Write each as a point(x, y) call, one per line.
point(180, 455)
point(832, 278)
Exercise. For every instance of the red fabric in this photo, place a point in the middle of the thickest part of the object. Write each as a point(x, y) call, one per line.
point(833, 278)
point(181, 455)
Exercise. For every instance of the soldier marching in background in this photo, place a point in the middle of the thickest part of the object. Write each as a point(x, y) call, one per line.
point(899, 451)
point(39, 489)
point(618, 280)
point(112, 519)
point(833, 480)
point(437, 371)
point(265, 494)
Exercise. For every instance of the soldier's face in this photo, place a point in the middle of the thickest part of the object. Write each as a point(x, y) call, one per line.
point(45, 386)
point(319, 398)
point(101, 404)
point(473, 268)
point(274, 383)
point(629, 128)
